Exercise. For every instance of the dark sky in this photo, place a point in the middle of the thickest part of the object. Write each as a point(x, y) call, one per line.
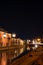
point(26, 20)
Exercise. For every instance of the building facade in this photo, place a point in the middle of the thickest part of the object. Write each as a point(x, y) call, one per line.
point(6, 39)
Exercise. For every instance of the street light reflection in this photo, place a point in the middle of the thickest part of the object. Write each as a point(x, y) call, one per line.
point(36, 46)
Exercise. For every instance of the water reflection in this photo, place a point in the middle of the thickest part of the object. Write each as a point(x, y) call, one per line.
point(7, 56)
point(4, 59)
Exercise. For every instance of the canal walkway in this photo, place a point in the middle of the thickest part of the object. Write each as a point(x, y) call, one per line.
point(11, 47)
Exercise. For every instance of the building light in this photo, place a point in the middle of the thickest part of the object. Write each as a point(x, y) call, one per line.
point(38, 40)
point(33, 42)
point(4, 35)
point(28, 41)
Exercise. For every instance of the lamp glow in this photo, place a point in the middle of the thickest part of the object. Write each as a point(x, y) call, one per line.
point(13, 35)
point(4, 35)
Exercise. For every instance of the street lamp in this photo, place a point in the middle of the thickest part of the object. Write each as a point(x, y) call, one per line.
point(13, 36)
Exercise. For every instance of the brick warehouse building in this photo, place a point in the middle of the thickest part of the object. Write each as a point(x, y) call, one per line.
point(6, 39)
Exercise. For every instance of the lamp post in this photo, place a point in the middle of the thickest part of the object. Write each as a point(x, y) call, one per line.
point(8, 41)
point(13, 36)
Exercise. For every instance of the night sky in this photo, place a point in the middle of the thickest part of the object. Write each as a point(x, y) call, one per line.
point(26, 20)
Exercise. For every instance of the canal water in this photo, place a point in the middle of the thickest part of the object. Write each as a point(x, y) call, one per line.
point(6, 57)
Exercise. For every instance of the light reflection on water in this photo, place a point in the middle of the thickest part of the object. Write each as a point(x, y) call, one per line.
point(7, 56)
